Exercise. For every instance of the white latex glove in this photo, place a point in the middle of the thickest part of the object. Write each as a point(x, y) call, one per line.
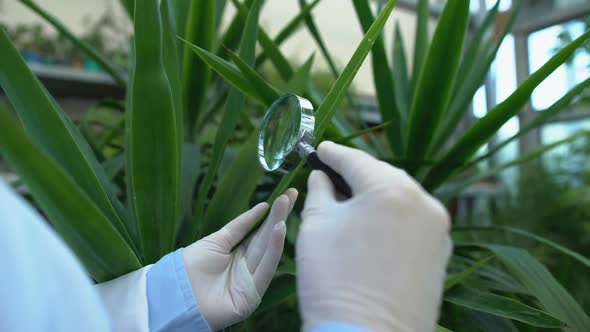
point(376, 260)
point(228, 285)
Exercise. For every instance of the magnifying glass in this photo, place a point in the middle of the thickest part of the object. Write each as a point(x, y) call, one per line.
point(287, 136)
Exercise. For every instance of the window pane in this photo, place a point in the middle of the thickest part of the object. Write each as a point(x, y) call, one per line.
point(543, 45)
point(504, 69)
point(480, 103)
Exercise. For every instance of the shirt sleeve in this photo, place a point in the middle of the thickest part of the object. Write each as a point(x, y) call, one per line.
point(338, 327)
point(171, 303)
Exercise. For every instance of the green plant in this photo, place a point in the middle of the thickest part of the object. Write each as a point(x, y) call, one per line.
point(159, 175)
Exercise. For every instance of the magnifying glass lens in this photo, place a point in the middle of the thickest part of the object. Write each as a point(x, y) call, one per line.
point(280, 131)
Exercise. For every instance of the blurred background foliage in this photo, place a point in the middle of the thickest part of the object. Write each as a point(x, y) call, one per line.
point(168, 155)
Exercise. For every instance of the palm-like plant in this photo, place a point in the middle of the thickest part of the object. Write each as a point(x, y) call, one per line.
point(121, 207)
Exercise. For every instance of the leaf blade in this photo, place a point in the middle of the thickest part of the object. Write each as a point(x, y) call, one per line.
point(87, 231)
point(432, 95)
point(154, 158)
point(487, 126)
point(501, 306)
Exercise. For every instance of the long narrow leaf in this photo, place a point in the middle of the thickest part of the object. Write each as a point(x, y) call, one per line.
point(383, 79)
point(299, 82)
point(456, 279)
point(541, 118)
point(501, 306)
point(432, 94)
point(486, 127)
point(472, 73)
point(235, 186)
point(172, 67)
point(400, 76)
point(233, 106)
point(315, 33)
point(87, 231)
point(228, 71)
point(200, 31)
point(289, 29)
point(111, 69)
point(328, 108)
point(539, 281)
point(421, 42)
point(267, 92)
point(568, 252)
point(457, 188)
point(154, 157)
point(49, 127)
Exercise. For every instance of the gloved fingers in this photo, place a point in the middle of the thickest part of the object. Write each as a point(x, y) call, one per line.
point(270, 261)
point(232, 233)
point(320, 190)
point(292, 193)
point(354, 165)
point(258, 244)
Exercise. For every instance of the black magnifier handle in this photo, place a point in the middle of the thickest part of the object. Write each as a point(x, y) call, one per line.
point(314, 161)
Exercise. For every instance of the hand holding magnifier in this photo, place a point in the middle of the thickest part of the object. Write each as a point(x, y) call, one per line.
point(287, 135)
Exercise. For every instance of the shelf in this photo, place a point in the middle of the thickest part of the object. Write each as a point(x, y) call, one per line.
point(67, 82)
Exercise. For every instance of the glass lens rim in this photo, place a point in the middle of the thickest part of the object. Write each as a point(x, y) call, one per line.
point(264, 125)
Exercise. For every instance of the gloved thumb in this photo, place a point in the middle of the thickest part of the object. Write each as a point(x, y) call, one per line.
point(320, 190)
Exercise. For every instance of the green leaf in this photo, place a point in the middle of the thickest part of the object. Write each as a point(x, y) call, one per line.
point(315, 33)
point(233, 107)
point(535, 277)
point(329, 106)
point(432, 95)
point(112, 70)
point(280, 290)
point(541, 284)
point(228, 71)
point(289, 29)
point(265, 91)
point(400, 76)
point(178, 15)
point(191, 162)
point(48, 126)
point(299, 82)
point(128, 5)
point(200, 31)
point(421, 43)
point(232, 35)
point(383, 79)
point(87, 231)
point(439, 328)
point(154, 160)
point(473, 72)
point(481, 132)
point(580, 258)
point(541, 118)
point(455, 189)
point(237, 185)
point(219, 10)
point(362, 132)
point(114, 166)
point(458, 278)
point(270, 48)
point(172, 67)
point(501, 306)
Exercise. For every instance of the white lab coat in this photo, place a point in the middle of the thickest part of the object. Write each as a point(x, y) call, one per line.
point(43, 287)
point(125, 300)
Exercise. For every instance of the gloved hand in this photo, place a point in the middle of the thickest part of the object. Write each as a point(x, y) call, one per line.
point(376, 260)
point(228, 285)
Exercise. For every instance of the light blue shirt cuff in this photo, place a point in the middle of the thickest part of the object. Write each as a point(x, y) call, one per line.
point(338, 327)
point(171, 303)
